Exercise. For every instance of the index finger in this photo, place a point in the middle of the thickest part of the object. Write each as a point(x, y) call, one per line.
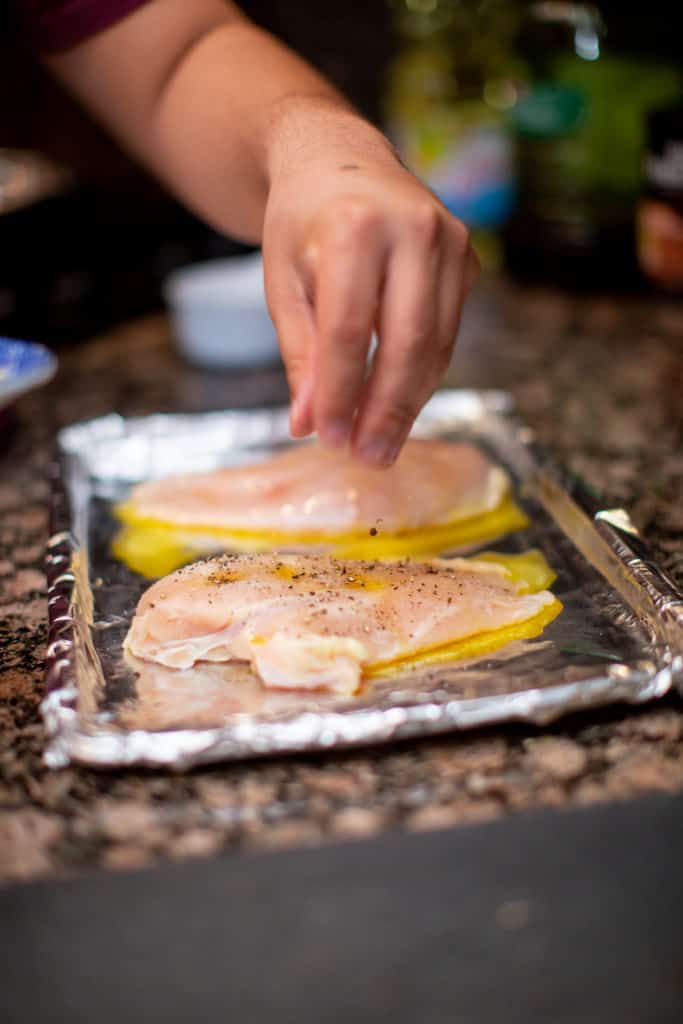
point(291, 312)
point(408, 346)
point(349, 275)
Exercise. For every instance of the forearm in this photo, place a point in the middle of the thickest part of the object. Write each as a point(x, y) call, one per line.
point(213, 105)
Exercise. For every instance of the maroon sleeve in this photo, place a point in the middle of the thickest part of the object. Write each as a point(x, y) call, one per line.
point(56, 25)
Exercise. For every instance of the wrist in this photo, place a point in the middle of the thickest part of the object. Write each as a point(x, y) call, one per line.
point(323, 131)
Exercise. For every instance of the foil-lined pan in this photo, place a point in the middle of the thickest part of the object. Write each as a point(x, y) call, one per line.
point(619, 637)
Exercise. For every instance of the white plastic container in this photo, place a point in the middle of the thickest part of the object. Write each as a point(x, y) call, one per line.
point(219, 314)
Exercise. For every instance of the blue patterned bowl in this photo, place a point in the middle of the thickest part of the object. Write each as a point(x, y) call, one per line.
point(24, 365)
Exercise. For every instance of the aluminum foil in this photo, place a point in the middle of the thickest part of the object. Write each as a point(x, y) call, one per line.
point(619, 638)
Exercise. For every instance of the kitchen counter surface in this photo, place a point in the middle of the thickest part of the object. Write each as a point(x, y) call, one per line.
point(600, 380)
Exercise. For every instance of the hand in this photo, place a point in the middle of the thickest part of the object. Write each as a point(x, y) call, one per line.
point(354, 243)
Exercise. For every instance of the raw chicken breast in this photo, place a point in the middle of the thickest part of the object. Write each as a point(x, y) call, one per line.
point(204, 697)
point(308, 488)
point(439, 497)
point(315, 622)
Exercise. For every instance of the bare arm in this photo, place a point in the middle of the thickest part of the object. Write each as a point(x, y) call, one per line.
point(196, 91)
point(262, 147)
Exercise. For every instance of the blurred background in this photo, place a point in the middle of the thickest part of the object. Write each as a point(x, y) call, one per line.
point(553, 129)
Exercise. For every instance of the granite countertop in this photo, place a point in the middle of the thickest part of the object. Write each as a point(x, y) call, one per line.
point(599, 379)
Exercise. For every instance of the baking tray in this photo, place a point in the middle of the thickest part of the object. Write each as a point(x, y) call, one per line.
point(619, 637)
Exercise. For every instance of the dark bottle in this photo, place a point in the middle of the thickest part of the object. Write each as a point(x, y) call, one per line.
point(578, 130)
point(660, 210)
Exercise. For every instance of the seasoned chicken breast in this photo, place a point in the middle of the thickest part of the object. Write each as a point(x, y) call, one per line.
point(315, 622)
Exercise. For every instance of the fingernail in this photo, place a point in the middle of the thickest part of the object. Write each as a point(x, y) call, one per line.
point(297, 429)
point(294, 418)
point(379, 452)
point(334, 433)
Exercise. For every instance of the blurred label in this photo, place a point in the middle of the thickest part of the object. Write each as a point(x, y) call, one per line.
point(549, 111)
point(469, 166)
point(666, 169)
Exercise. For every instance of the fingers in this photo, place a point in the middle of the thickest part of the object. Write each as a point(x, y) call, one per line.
point(472, 270)
point(420, 312)
point(402, 370)
point(460, 271)
point(348, 283)
point(301, 418)
point(292, 314)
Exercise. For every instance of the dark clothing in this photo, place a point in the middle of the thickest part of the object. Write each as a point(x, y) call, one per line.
point(56, 25)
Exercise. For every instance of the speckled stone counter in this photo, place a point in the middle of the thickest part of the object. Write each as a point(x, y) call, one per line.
point(599, 379)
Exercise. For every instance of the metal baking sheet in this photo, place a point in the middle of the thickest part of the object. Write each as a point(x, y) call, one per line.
point(619, 638)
